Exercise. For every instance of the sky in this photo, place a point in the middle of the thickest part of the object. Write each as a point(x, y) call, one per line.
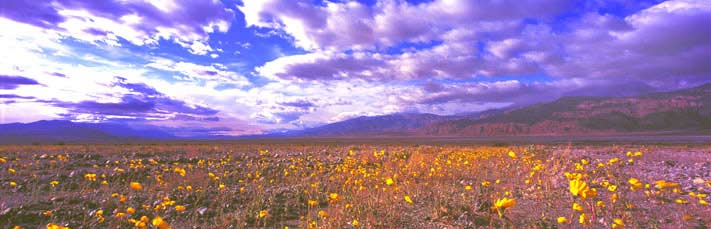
point(251, 67)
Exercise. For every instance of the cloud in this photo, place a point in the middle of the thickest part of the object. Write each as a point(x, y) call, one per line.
point(664, 45)
point(184, 22)
point(655, 47)
point(11, 96)
point(142, 102)
point(191, 71)
point(12, 82)
point(353, 25)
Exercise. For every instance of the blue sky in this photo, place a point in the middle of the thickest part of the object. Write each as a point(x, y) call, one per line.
point(250, 67)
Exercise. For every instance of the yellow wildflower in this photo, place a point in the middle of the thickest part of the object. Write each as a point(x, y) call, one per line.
point(160, 223)
point(577, 207)
point(408, 200)
point(322, 214)
point(578, 187)
point(636, 184)
point(617, 223)
point(389, 181)
point(136, 186)
point(312, 203)
point(584, 220)
point(562, 220)
point(502, 204)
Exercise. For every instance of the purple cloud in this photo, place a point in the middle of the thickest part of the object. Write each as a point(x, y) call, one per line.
point(301, 103)
point(347, 25)
point(144, 102)
point(29, 12)
point(183, 21)
point(12, 82)
point(11, 96)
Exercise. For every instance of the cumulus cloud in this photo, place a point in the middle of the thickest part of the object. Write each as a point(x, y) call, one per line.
point(655, 46)
point(353, 25)
point(186, 23)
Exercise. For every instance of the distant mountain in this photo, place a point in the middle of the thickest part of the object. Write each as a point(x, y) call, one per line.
point(56, 131)
point(676, 112)
point(393, 124)
point(687, 110)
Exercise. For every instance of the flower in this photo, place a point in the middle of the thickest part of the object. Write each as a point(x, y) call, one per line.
point(617, 222)
point(612, 188)
point(333, 196)
point(180, 208)
point(47, 213)
point(263, 213)
point(468, 187)
point(323, 214)
point(512, 155)
point(90, 176)
point(662, 184)
point(505, 203)
point(136, 186)
point(408, 200)
point(389, 181)
point(578, 187)
point(589, 193)
point(160, 223)
point(355, 223)
point(577, 207)
point(635, 184)
point(130, 210)
point(584, 220)
point(11, 170)
point(562, 220)
point(502, 204)
point(13, 184)
point(312, 203)
point(179, 171)
point(55, 226)
point(600, 204)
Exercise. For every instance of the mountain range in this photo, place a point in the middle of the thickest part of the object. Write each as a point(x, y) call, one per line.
point(676, 112)
point(686, 111)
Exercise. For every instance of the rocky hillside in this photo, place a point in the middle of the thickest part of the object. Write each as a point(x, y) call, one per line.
point(677, 111)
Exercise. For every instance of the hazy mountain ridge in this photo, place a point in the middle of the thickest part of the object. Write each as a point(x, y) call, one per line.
point(70, 132)
point(682, 111)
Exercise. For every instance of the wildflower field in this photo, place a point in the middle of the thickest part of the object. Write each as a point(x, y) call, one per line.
point(359, 185)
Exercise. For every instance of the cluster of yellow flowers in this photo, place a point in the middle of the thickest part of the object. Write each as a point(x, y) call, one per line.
point(361, 186)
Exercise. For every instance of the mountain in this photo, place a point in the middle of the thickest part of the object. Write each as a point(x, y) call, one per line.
point(687, 110)
point(394, 124)
point(56, 131)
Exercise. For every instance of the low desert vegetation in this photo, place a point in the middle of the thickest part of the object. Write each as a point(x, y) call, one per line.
point(350, 186)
